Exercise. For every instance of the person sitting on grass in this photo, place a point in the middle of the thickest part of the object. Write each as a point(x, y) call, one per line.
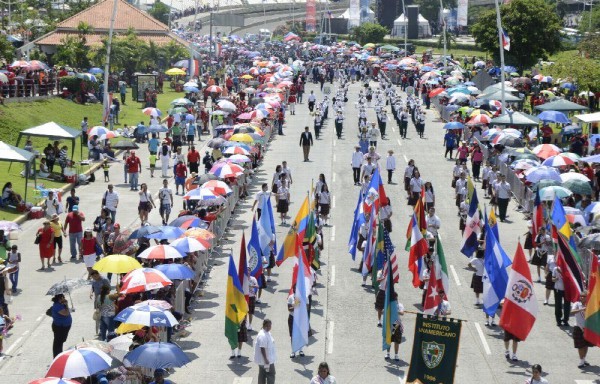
point(9, 197)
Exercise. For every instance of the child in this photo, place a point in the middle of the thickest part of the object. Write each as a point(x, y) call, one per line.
point(6, 324)
point(152, 164)
point(106, 167)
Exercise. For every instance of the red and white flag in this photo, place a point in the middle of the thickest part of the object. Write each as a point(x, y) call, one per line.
point(520, 305)
point(433, 298)
point(418, 249)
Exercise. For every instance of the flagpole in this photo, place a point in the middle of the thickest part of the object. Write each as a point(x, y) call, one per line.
point(444, 29)
point(501, 47)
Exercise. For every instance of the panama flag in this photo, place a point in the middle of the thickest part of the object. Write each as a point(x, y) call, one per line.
point(505, 40)
point(470, 240)
point(520, 305)
point(418, 249)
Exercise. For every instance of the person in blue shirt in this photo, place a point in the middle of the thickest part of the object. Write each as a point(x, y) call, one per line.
point(153, 144)
point(159, 377)
point(61, 322)
point(191, 131)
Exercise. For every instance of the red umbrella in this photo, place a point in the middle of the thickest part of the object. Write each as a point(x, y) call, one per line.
point(436, 92)
point(144, 279)
point(161, 252)
point(217, 186)
point(480, 119)
point(53, 380)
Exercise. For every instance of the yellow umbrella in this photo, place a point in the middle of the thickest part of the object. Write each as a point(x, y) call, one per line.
point(117, 264)
point(175, 71)
point(126, 328)
point(242, 138)
point(248, 77)
point(369, 45)
point(479, 112)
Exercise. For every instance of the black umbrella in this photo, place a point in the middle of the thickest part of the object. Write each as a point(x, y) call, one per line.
point(204, 178)
point(511, 141)
point(126, 144)
point(216, 142)
point(256, 100)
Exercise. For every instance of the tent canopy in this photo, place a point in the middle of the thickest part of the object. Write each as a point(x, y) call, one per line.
point(53, 131)
point(561, 105)
point(589, 117)
point(11, 153)
point(497, 95)
point(401, 26)
point(515, 118)
point(498, 88)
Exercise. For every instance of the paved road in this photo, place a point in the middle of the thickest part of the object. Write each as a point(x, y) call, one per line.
point(343, 317)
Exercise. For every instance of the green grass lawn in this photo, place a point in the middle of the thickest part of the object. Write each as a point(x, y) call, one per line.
point(15, 117)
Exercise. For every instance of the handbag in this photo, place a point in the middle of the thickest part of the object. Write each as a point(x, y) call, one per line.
point(38, 238)
point(96, 315)
point(49, 312)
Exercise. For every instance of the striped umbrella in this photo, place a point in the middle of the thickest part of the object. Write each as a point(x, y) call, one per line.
point(82, 362)
point(545, 151)
point(217, 186)
point(199, 234)
point(152, 112)
point(558, 161)
point(53, 380)
point(204, 196)
point(480, 119)
point(236, 151)
point(239, 159)
point(147, 314)
point(191, 244)
point(224, 170)
point(214, 89)
point(185, 222)
point(102, 132)
point(144, 279)
point(160, 252)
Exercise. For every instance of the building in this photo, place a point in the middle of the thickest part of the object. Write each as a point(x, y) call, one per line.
point(98, 17)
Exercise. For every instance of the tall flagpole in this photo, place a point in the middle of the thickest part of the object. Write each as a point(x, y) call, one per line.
point(106, 101)
point(405, 29)
point(444, 31)
point(501, 47)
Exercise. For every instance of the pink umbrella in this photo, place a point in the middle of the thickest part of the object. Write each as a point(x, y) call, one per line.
point(144, 279)
point(217, 186)
point(245, 116)
point(161, 252)
point(257, 114)
point(480, 119)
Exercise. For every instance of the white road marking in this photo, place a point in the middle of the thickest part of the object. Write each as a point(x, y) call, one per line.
point(334, 158)
point(242, 380)
point(334, 142)
point(332, 276)
point(13, 345)
point(25, 333)
point(405, 158)
point(39, 318)
point(330, 338)
point(333, 233)
point(399, 142)
point(486, 347)
point(393, 129)
point(455, 275)
point(333, 178)
point(333, 202)
point(585, 382)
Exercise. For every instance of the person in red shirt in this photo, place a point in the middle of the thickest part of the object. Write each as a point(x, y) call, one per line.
point(134, 168)
point(546, 134)
point(74, 227)
point(193, 159)
point(180, 176)
point(170, 121)
point(88, 251)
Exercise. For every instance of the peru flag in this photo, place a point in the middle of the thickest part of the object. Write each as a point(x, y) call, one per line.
point(418, 249)
point(520, 305)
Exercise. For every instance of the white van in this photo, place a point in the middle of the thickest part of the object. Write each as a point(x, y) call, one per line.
point(265, 34)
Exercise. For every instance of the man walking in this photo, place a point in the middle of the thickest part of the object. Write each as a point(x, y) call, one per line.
point(312, 99)
point(502, 192)
point(306, 141)
point(403, 117)
point(356, 163)
point(134, 168)
point(74, 226)
point(165, 194)
point(110, 201)
point(265, 355)
point(339, 124)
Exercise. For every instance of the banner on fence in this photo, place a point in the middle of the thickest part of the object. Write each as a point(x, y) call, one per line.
point(311, 15)
point(462, 14)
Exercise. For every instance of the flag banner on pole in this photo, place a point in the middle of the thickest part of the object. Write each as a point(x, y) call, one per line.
point(537, 221)
point(520, 305)
point(289, 248)
point(390, 310)
point(236, 306)
point(369, 252)
point(441, 268)
point(375, 196)
point(243, 273)
point(494, 224)
point(418, 249)
point(570, 270)
point(359, 219)
point(266, 234)
point(505, 40)
point(390, 253)
point(495, 276)
point(432, 296)
point(591, 331)
point(470, 240)
point(300, 325)
point(311, 15)
point(434, 352)
point(380, 256)
point(462, 12)
point(255, 256)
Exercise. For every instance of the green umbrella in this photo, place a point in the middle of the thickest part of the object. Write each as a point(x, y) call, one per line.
point(178, 110)
point(546, 183)
point(524, 156)
point(578, 186)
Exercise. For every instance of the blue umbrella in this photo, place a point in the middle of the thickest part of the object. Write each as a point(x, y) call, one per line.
point(572, 130)
point(96, 70)
point(191, 89)
point(570, 86)
point(166, 232)
point(157, 129)
point(144, 231)
point(454, 125)
point(534, 175)
point(186, 221)
point(177, 271)
point(157, 355)
point(147, 314)
point(554, 116)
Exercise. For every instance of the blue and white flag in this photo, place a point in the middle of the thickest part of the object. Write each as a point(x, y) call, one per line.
point(266, 228)
point(505, 40)
point(254, 256)
point(495, 276)
point(472, 228)
point(359, 219)
point(300, 326)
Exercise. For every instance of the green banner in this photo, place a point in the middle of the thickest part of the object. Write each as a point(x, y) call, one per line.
point(435, 350)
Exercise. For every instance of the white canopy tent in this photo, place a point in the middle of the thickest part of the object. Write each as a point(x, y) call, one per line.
point(346, 15)
point(53, 131)
point(589, 117)
point(401, 25)
point(13, 154)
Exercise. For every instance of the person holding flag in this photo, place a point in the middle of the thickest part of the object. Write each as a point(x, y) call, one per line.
point(236, 309)
point(578, 310)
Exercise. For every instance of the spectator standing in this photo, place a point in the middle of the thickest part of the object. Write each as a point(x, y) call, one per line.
point(134, 169)
point(110, 201)
point(265, 354)
point(74, 226)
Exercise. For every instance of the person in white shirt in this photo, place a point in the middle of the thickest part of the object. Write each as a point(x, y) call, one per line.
point(477, 281)
point(502, 192)
point(264, 354)
point(397, 331)
point(536, 375)
point(368, 168)
point(582, 345)
point(165, 196)
point(51, 205)
point(374, 134)
point(291, 303)
point(263, 194)
point(252, 291)
point(433, 222)
point(390, 165)
point(356, 163)
point(323, 376)
point(110, 201)
point(324, 204)
point(460, 184)
point(285, 169)
point(416, 184)
point(408, 174)
point(562, 306)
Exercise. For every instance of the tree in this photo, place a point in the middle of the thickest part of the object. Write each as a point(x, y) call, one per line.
point(160, 12)
point(590, 47)
point(533, 28)
point(585, 25)
point(574, 68)
point(7, 50)
point(369, 33)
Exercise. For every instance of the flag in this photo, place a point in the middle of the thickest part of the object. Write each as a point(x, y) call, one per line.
point(571, 273)
point(441, 268)
point(494, 224)
point(418, 249)
point(537, 221)
point(369, 252)
point(265, 228)
point(358, 220)
point(420, 219)
point(300, 325)
point(390, 253)
point(470, 240)
point(470, 188)
point(255, 254)
point(310, 240)
point(375, 195)
point(272, 219)
point(243, 273)
point(236, 307)
point(380, 256)
point(495, 277)
point(390, 310)
point(289, 248)
point(520, 305)
point(591, 330)
point(432, 296)
point(559, 218)
point(505, 40)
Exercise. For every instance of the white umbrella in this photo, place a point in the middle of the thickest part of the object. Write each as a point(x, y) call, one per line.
point(549, 193)
point(573, 176)
point(227, 105)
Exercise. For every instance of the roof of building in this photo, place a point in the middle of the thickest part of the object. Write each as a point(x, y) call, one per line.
point(57, 38)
